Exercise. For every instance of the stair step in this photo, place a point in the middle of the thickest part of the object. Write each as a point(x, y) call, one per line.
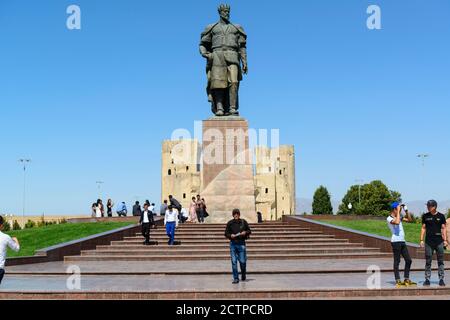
point(225, 241)
point(227, 257)
point(208, 237)
point(225, 245)
point(182, 251)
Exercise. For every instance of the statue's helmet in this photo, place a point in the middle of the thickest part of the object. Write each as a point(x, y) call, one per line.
point(224, 7)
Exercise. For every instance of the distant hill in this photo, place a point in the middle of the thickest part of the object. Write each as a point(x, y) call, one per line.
point(417, 207)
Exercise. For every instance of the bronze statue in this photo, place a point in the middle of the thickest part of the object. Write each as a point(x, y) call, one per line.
point(223, 44)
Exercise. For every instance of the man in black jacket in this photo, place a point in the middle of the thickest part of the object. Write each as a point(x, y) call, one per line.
point(137, 209)
point(147, 222)
point(237, 231)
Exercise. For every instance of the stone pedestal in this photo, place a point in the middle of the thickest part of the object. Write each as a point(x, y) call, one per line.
point(227, 175)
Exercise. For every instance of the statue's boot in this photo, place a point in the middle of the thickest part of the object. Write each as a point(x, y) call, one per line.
point(219, 103)
point(233, 99)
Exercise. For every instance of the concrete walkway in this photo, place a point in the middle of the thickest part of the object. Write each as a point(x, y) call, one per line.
point(210, 283)
point(212, 267)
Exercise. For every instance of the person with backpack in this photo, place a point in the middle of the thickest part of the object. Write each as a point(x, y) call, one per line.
point(237, 231)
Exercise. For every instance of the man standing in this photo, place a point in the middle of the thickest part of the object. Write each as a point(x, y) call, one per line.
point(5, 242)
point(163, 208)
point(171, 223)
point(200, 210)
point(137, 209)
point(147, 222)
point(398, 242)
point(434, 226)
point(237, 231)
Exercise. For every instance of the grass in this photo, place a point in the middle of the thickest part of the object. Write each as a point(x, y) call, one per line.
point(40, 238)
point(379, 227)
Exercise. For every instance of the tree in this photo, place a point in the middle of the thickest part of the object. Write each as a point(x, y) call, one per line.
point(375, 199)
point(16, 225)
point(322, 202)
point(6, 226)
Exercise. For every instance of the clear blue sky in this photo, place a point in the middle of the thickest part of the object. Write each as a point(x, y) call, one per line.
point(95, 104)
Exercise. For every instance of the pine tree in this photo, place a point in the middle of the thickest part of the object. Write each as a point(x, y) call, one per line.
point(322, 202)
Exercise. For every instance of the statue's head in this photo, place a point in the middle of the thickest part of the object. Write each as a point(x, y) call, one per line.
point(224, 11)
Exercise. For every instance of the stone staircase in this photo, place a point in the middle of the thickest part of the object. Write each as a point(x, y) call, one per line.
point(273, 241)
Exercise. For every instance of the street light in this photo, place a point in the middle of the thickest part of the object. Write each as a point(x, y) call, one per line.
point(24, 163)
point(423, 157)
point(99, 185)
point(359, 181)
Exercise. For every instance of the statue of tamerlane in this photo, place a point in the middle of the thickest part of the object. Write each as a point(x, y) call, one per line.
point(223, 44)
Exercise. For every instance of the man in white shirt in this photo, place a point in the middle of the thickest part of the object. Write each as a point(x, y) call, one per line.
point(171, 223)
point(398, 242)
point(5, 242)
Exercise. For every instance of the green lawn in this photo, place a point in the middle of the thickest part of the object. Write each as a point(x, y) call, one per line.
point(379, 227)
point(39, 238)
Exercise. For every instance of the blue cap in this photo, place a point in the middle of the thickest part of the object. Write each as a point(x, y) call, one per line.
point(395, 205)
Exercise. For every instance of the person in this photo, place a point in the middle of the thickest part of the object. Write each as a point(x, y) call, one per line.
point(184, 216)
point(147, 222)
point(398, 242)
point(109, 206)
point(171, 223)
point(260, 218)
point(101, 208)
point(94, 210)
point(151, 207)
point(122, 209)
point(200, 212)
point(5, 242)
point(175, 203)
point(163, 208)
point(98, 210)
point(205, 213)
point(237, 231)
point(434, 226)
point(137, 209)
point(193, 211)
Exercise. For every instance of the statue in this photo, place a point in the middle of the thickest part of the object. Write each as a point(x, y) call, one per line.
point(223, 45)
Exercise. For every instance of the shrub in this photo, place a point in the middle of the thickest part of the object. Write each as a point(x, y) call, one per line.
point(6, 226)
point(16, 225)
point(30, 224)
point(62, 221)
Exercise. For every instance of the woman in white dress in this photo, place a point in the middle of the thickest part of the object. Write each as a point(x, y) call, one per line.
point(98, 211)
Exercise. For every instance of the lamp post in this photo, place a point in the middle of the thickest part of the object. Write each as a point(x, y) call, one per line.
point(359, 181)
point(99, 186)
point(423, 157)
point(24, 163)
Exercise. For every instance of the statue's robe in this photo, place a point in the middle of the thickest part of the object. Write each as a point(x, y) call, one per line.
point(225, 42)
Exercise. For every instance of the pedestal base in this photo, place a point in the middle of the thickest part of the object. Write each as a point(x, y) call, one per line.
point(227, 180)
